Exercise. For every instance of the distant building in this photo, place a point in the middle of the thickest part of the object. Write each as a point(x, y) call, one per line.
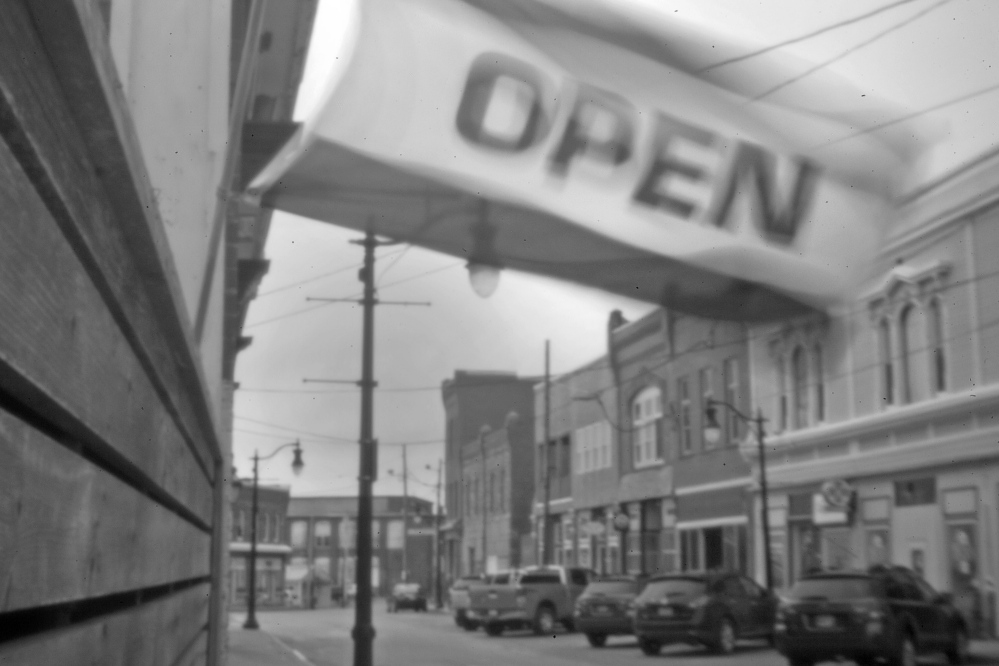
point(273, 550)
point(497, 508)
point(473, 400)
point(626, 442)
point(322, 534)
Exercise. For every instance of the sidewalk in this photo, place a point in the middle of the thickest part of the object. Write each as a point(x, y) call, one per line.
point(258, 648)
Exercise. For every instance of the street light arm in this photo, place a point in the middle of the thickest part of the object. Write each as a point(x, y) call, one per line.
point(712, 403)
point(273, 453)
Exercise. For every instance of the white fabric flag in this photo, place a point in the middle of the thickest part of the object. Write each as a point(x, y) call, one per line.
point(590, 140)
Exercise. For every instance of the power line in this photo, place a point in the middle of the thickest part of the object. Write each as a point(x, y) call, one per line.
point(320, 277)
point(323, 305)
point(857, 47)
point(930, 109)
point(278, 426)
point(815, 33)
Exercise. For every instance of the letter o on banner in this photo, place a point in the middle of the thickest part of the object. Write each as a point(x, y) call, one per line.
point(502, 106)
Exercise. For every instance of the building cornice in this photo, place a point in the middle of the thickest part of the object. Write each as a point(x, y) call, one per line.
point(922, 412)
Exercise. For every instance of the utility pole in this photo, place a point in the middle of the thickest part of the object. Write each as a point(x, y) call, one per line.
point(483, 504)
point(439, 513)
point(405, 517)
point(363, 632)
point(545, 527)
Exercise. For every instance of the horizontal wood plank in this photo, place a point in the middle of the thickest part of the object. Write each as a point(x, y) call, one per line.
point(164, 632)
point(132, 271)
point(71, 531)
point(58, 339)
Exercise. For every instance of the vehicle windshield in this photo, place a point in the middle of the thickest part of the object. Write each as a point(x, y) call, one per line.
point(840, 587)
point(602, 587)
point(541, 577)
point(680, 589)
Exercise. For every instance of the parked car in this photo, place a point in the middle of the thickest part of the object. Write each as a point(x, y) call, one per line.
point(712, 609)
point(540, 599)
point(602, 609)
point(458, 598)
point(407, 595)
point(885, 613)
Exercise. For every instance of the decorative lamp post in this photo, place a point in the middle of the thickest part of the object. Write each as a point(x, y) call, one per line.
point(712, 433)
point(296, 467)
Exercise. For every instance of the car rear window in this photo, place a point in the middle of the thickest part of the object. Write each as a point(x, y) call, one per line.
point(679, 588)
point(840, 587)
point(541, 577)
point(612, 587)
point(500, 579)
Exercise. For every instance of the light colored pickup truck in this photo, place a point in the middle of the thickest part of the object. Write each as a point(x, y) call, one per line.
point(541, 598)
point(458, 597)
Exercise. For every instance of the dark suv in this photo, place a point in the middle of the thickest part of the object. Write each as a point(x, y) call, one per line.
point(712, 609)
point(886, 613)
point(602, 608)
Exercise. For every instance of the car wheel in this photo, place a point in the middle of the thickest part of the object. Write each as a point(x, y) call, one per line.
point(724, 642)
point(905, 652)
point(459, 620)
point(597, 640)
point(958, 652)
point(649, 648)
point(544, 621)
point(471, 626)
point(494, 629)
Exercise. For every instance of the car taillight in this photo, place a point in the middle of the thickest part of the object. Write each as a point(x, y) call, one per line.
point(872, 617)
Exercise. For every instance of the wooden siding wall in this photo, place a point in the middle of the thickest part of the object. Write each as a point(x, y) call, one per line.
point(109, 457)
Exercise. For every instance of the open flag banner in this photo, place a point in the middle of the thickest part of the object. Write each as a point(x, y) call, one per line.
point(594, 141)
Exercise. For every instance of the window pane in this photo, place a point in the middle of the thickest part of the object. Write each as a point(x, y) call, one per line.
point(887, 371)
point(799, 374)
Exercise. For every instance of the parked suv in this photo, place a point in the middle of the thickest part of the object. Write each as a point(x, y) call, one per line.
point(603, 608)
point(407, 595)
point(712, 609)
point(886, 613)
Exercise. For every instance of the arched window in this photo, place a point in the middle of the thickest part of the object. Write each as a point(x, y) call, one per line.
point(820, 383)
point(938, 369)
point(907, 325)
point(647, 413)
point(799, 377)
point(887, 370)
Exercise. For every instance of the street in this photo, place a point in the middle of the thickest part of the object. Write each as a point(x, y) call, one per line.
point(322, 637)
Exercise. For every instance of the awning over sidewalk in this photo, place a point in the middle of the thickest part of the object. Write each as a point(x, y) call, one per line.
point(598, 142)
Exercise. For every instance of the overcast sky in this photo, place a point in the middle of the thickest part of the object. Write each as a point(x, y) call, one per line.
point(921, 54)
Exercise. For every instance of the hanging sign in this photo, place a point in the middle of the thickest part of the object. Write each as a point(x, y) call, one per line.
point(593, 141)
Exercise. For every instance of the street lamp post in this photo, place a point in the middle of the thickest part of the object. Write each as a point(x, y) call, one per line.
point(712, 432)
point(296, 467)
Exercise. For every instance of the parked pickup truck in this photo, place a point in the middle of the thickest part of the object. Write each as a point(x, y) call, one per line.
point(542, 597)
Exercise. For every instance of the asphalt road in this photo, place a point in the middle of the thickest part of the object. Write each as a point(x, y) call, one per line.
point(322, 638)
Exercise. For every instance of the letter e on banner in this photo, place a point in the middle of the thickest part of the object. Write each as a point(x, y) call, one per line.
point(653, 189)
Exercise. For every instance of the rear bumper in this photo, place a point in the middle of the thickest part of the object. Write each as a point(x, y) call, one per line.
point(603, 625)
point(498, 616)
point(831, 645)
point(673, 632)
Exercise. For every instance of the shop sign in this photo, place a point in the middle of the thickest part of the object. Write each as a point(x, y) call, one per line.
point(831, 505)
point(563, 130)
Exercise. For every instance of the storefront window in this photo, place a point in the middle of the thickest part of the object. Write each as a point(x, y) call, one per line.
point(799, 375)
point(878, 547)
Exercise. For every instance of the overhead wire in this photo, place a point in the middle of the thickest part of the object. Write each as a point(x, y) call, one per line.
point(852, 49)
point(810, 35)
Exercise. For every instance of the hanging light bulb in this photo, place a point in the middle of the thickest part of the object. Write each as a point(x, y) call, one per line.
point(483, 264)
point(484, 278)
